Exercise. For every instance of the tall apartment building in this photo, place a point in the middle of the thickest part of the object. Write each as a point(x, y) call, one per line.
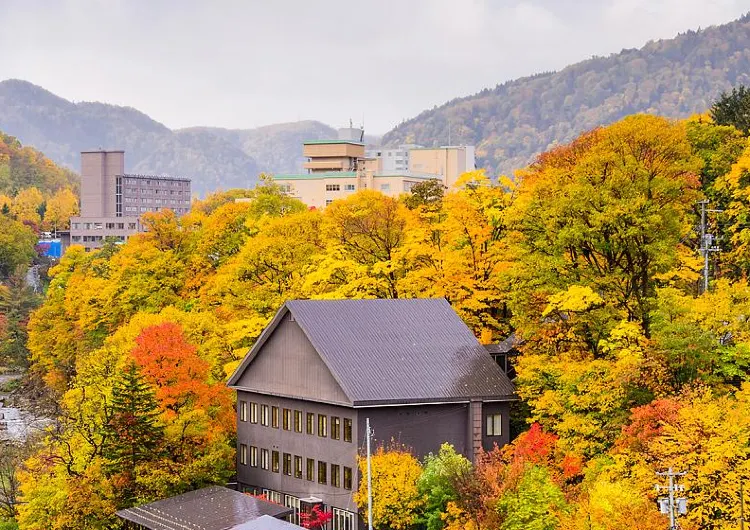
point(112, 201)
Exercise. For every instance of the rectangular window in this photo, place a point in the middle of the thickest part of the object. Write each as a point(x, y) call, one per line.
point(310, 469)
point(385, 187)
point(342, 519)
point(253, 456)
point(333, 187)
point(243, 410)
point(349, 187)
point(275, 417)
point(322, 472)
point(121, 226)
point(275, 461)
point(264, 459)
point(297, 466)
point(131, 226)
point(287, 419)
point(243, 454)
point(297, 421)
point(287, 464)
point(264, 415)
point(347, 430)
point(335, 476)
point(253, 412)
point(347, 478)
point(328, 202)
point(494, 424)
point(310, 423)
point(322, 425)
point(335, 428)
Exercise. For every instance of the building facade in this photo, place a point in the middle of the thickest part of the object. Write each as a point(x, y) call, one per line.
point(450, 162)
point(321, 369)
point(113, 201)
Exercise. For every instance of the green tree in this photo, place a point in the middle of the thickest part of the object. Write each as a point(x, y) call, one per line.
point(134, 434)
point(733, 108)
point(535, 504)
point(16, 246)
point(428, 193)
point(437, 484)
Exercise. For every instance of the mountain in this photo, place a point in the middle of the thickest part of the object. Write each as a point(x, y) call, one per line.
point(213, 158)
point(513, 122)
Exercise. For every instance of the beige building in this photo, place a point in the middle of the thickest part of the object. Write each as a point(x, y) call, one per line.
point(449, 162)
point(112, 201)
point(338, 168)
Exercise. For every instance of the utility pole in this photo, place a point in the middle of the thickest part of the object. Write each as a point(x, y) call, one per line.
point(670, 505)
point(707, 241)
point(369, 477)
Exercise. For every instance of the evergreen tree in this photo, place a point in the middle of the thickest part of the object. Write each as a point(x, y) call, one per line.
point(134, 433)
point(733, 108)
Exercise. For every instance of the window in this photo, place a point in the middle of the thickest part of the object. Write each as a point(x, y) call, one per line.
point(264, 459)
point(87, 226)
point(275, 417)
point(275, 461)
point(385, 187)
point(335, 476)
point(310, 423)
point(243, 454)
point(131, 226)
point(347, 478)
point(322, 472)
point(310, 469)
point(494, 424)
point(297, 466)
point(287, 464)
point(297, 421)
point(287, 419)
point(121, 226)
point(76, 226)
point(349, 187)
point(335, 428)
point(264, 415)
point(110, 226)
point(253, 456)
point(347, 430)
point(243, 410)
point(76, 238)
point(98, 226)
point(342, 519)
point(333, 187)
point(328, 201)
point(322, 425)
point(253, 413)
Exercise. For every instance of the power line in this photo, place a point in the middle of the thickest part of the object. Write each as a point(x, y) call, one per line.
point(671, 505)
point(707, 241)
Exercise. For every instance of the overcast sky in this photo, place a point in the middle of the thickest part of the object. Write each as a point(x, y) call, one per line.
point(247, 63)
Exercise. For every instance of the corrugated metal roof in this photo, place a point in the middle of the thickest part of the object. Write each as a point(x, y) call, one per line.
point(212, 508)
point(505, 346)
point(266, 522)
point(400, 350)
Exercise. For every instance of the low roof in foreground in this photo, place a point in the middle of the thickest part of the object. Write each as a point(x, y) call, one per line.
point(212, 508)
point(394, 351)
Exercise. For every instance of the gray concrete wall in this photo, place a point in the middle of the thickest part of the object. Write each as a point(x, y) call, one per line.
point(302, 444)
point(423, 428)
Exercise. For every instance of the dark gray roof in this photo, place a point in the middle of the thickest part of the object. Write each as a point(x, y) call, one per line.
point(266, 522)
point(508, 345)
point(212, 508)
point(395, 350)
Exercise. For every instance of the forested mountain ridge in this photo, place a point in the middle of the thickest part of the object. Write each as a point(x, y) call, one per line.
point(213, 158)
point(515, 121)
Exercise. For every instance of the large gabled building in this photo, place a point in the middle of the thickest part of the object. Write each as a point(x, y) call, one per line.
point(323, 367)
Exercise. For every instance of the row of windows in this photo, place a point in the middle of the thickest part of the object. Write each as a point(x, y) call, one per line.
point(156, 182)
point(293, 420)
point(342, 519)
point(153, 209)
point(291, 465)
point(337, 187)
point(93, 239)
point(99, 226)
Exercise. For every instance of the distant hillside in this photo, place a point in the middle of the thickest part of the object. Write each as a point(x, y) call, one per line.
point(214, 158)
point(25, 167)
point(513, 122)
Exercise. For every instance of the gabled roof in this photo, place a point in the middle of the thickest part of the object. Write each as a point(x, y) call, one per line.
point(266, 522)
point(394, 351)
point(212, 508)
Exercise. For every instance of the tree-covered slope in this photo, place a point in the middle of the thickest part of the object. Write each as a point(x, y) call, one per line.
point(25, 167)
point(514, 121)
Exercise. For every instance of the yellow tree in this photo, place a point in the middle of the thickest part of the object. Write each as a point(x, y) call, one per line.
point(60, 208)
point(396, 502)
point(26, 206)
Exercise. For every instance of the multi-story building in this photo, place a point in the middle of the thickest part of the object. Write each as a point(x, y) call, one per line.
point(112, 201)
point(393, 159)
point(337, 168)
point(323, 368)
point(450, 162)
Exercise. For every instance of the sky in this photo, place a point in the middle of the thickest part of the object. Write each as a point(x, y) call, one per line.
point(247, 63)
